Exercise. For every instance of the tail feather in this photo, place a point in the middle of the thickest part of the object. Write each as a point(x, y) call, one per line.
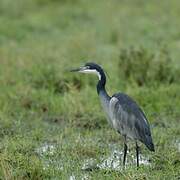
point(150, 147)
point(149, 143)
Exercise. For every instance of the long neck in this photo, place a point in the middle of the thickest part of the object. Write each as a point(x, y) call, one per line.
point(101, 83)
point(104, 97)
point(101, 90)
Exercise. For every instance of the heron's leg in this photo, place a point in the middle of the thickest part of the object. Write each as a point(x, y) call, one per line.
point(137, 154)
point(125, 152)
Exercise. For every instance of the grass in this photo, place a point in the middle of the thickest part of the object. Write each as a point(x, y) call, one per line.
point(51, 121)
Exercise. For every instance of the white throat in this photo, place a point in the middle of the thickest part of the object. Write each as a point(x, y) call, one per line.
point(92, 71)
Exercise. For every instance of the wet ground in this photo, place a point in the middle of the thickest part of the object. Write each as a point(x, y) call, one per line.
point(113, 161)
point(47, 153)
point(177, 144)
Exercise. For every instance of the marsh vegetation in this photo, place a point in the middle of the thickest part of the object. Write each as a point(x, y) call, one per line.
point(51, 122)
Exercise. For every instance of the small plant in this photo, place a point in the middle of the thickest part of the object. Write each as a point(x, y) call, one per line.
point(144, 68)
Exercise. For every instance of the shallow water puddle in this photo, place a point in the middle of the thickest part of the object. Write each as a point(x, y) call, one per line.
point(47, 153)
point(114, 161)
point(84, 177)
point(46, 149)
point(89, 165)
point(72, 177)
point(142, 160)
point(177, 144)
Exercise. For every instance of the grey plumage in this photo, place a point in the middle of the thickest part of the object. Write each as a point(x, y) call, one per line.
point(131, 121)
point(124, 115)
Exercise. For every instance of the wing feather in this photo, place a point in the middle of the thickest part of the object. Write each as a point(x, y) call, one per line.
point(128, 119)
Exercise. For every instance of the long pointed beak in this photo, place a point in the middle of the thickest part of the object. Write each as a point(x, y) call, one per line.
point(75, 70)
point(78, 69)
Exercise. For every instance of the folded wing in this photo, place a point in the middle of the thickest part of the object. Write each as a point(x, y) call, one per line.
point(129, 120)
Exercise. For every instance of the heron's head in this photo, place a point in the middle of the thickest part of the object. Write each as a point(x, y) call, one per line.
point(90, 68)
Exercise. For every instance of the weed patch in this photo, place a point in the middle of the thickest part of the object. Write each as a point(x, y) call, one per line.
point(142, 67)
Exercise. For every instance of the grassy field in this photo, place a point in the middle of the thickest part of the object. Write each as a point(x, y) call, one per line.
point(51, 122)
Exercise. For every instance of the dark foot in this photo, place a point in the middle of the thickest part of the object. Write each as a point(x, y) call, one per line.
point(137, 155)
